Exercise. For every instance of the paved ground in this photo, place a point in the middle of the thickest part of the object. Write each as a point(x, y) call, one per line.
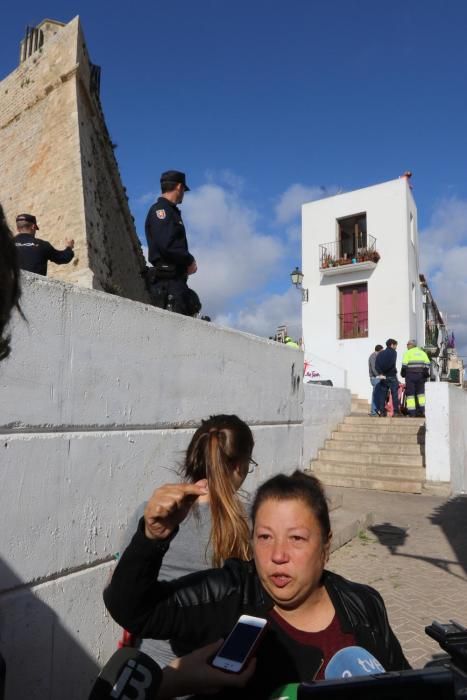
point(415, 555)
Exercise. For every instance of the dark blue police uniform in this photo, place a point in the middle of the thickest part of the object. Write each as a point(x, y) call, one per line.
point(34, 253)
point(168, 253)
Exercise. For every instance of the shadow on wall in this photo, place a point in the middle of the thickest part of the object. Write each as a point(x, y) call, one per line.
point(43, 660)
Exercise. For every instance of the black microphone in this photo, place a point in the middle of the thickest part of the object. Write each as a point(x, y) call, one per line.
point(128, 675)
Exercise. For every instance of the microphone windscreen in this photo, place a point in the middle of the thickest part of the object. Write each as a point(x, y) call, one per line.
point(129, 673)
point(285, 692)
point(352, 661)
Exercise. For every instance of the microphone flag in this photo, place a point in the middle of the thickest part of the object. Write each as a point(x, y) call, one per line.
point(352, 661)
point(128, 674)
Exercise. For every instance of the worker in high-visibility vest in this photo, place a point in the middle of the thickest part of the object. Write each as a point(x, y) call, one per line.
point(291, 343)
point(415, 370)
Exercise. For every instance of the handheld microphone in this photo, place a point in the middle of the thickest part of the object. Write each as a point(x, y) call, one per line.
point(352, 661)
point(128, 674)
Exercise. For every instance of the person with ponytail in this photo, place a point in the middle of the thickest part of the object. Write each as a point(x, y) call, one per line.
point(217, 526)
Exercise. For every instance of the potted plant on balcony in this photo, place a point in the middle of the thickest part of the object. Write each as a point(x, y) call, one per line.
point(328, 261)
point(375, 256)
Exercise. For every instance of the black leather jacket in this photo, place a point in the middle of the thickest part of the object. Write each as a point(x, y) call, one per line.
point(203, 607)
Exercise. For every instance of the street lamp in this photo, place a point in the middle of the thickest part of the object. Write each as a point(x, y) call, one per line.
point(296, 277)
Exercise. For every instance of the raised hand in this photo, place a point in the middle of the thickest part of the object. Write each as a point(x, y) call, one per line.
point(168, 507)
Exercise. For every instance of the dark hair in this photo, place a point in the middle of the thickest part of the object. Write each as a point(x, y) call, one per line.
point(24, 225)
point(10, 290)
point(378, 348)
point(168, 186)
point(298, 486)
point(222, 444)
point(390, 341)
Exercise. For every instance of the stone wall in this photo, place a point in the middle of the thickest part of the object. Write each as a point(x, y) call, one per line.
point(57, 162)
point(446, 435)
point(99, 399)
point(323, 409)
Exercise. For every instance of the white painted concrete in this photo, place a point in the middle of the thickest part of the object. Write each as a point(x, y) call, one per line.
point(323, 409)
point(446, 435)
point(99, 399)
point(388, 208)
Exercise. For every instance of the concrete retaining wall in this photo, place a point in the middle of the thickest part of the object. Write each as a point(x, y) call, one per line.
point(99, 399)
point(323, 409)
point(446, 435)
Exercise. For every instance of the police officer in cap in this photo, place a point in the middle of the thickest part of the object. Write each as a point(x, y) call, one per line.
point(168, 248)
point(34, 253)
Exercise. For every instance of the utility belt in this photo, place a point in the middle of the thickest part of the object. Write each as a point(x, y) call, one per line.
point(164, 271)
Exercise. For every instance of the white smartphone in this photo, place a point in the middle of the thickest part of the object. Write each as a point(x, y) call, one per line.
point(240, 645)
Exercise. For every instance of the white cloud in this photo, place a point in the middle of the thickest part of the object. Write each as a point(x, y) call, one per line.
point(288, 207)
point(147, 198)
point(234, 258)
point(264, 317)
point(443, 248)
point(226, 177)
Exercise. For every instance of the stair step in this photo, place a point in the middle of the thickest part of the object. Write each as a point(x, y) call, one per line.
point(383, 484)
point(386, 438)
point(389, 447)
point(376, 458)
point(370, 420)
point(379, 425)
point(325, 466)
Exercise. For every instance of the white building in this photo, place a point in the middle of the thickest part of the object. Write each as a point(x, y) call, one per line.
point(361, 269)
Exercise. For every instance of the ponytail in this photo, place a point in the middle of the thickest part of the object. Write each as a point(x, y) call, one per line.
point(222, 445)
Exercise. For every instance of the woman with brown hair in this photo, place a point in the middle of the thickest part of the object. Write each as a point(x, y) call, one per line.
point(312, 613)
point(216, 527)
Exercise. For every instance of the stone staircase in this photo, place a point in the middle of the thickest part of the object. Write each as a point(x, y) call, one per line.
point(364, 452)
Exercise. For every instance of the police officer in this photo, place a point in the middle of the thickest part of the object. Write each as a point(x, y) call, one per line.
point(168, 248)
point(416, 370)
point(34, 253)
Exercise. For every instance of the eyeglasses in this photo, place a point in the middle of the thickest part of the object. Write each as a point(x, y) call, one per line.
point(252, 465)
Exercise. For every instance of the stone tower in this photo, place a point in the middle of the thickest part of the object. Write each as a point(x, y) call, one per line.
point(57, 161)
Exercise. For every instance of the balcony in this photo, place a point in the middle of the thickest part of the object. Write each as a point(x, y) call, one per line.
point(333, 260)
point(436, 338)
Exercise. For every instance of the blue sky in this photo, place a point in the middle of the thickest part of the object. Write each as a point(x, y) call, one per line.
point(265, 102)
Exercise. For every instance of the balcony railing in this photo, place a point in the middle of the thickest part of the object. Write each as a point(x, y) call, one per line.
point(353, 325)
point(436, 334)
point(333, 254)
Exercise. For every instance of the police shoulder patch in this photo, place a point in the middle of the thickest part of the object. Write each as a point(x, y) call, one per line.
point(160, 213)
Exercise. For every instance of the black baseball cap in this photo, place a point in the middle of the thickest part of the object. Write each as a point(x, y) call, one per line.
point(175, 176)
point(28, 218)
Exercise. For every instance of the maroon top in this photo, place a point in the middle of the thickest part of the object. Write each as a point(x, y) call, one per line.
point(329, 640)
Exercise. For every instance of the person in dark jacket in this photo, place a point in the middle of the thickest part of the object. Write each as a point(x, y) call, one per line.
point(34, 253)
point(385, 365)
point(311, 612)
point(168, 247)
point(10, 292)
point(374, 379)
point(10, 289)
